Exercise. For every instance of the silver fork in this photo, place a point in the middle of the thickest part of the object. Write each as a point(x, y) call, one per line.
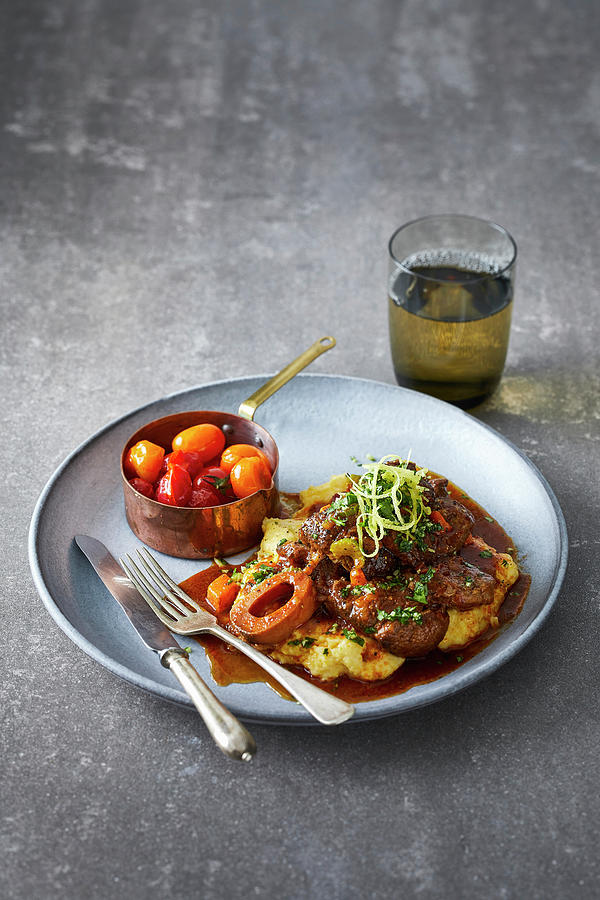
point(164, 596)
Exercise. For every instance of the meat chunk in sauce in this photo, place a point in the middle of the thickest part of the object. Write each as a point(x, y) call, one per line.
point(411, 581)
point(362, 610)
point(457, 584)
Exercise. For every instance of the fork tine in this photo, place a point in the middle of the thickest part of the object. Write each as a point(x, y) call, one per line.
point(171, 598)
point(149, 590)
point(166, 619)
point(170, 585)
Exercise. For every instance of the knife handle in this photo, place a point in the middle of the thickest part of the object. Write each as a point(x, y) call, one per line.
point(228, 733)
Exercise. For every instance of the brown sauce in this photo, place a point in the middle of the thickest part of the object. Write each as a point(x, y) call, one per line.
point(229, 666)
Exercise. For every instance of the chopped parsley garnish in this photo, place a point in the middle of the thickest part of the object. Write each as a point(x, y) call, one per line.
point(459, 658)
point(187, 649)
point(468, 581)
point(281, 542)
point(394, 580)
point(370, 629)
point(403, 544)
point(488, 518)
point(351, 634)
point(358, 589)
point(302, 642)
point(402, 614)
point(326, 651)
point(486, 554)
point(420, 593)
point(420, 590)
point(342, 508)
point(262, 572)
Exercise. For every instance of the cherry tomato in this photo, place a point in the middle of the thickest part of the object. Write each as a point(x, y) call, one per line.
point(144, 460)
point(232, 455)
point(218, 479)
point(175, 487)
point(206, 439)
point(214, 472)
point(249, 475)
point(204, 494)
point(189, 460)
point(142, 487)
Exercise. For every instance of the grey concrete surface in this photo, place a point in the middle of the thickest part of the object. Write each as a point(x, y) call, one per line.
point(196, 190)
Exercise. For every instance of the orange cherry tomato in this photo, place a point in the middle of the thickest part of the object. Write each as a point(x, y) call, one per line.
point(249, 475)
point(233, 454)
point(144, 460)
point(221, 593)
point(207, 440)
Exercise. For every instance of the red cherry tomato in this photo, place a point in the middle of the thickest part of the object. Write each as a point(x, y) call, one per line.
point(189, 460)
point(234, 453)
point(204, 494)
point(144, 460)
point(249, 475)
point(206, 439)
point(142, 487)
point(214, 472)
point(175, 487)
point(219, 480)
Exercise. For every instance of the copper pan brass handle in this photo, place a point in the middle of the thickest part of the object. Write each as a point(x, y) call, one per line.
point(249, 406)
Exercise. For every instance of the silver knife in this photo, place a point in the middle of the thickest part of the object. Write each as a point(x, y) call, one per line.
point(229, 734)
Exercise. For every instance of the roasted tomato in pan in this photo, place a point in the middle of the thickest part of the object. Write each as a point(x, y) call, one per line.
point(199, 471)
point(220, 480)
point(144, 460)
point(175, 487)
point(189, 460)
point(233, 454)
point(250, 475)
point(142, 487)
point(204, 493)
point(207, 440)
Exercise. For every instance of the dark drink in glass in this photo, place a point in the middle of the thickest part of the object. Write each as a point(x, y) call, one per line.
point(450, 305)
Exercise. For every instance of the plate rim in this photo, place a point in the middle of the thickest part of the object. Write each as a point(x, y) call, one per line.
point(457, 684)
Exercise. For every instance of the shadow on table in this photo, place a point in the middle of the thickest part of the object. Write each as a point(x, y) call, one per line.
point(561, 396)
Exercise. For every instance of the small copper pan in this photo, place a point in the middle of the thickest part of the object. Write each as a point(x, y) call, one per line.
point(202, 533)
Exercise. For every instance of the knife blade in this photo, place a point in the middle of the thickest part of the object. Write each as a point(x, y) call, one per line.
point(228, 733)
point(149, 629)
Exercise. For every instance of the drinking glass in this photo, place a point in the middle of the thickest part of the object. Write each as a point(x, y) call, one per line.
point(450, 289)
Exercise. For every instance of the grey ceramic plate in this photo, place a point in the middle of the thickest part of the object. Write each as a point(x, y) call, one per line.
point(319, 422)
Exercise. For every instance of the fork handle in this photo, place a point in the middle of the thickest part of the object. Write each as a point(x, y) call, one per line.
point(228, 732)
point(324, 707)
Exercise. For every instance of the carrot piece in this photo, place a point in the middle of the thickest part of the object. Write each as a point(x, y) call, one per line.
point(221, 593)
point(357, 576)
point(436, 516)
